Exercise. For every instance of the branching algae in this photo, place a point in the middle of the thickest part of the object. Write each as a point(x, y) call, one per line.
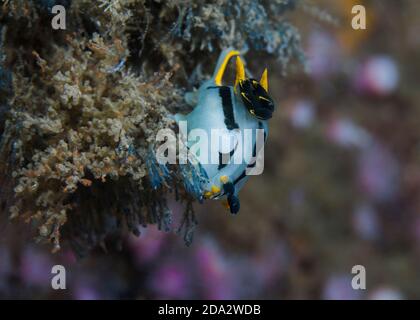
point(80, 108)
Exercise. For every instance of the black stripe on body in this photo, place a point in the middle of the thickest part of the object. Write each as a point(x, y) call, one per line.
point(254, 155)
point(254, 151)
point(252, 165)
point(221, 156)
point(221, 164)
point(226, 96)
point(260, 126)
point(243, 175)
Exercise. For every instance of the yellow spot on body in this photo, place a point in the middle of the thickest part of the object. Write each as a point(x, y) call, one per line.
point(224, 179)
point(215, 189)
point(207, 194)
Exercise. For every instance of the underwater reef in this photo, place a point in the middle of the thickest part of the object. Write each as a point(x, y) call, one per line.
point(80, 108)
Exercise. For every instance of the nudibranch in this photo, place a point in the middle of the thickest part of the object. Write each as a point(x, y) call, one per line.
point(239, 113)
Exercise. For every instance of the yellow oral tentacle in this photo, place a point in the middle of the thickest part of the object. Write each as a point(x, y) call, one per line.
point(221, 71)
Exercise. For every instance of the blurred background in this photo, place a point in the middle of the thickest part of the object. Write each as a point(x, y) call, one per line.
point(341, 187)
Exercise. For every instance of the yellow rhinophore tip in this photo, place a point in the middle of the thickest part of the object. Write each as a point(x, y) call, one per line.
point(240, 70)
point(224, 179)
point(264, 80)
point(215, 189)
